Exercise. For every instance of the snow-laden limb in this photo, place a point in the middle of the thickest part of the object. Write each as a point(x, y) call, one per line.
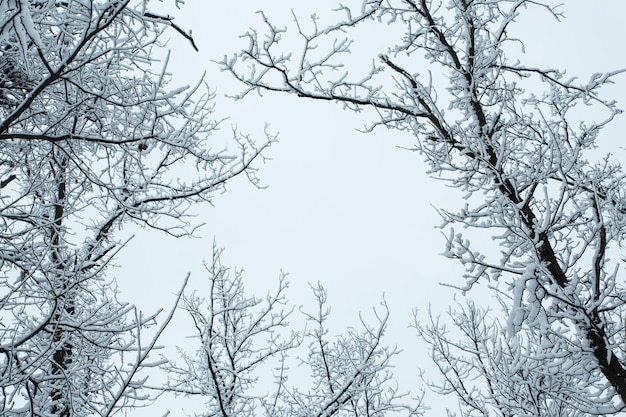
point(92, 137)
point(509, 136)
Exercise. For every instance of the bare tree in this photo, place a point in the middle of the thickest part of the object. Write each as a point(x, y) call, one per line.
point(241, 339)
point(506, 135)
point(236, 336)
point(350, 373)
point(494, 373)
point(91, 138)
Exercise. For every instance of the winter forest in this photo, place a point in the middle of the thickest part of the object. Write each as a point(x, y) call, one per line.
point(368, 208)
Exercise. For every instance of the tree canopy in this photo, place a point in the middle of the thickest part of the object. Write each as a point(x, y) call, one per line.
point(94, 138)
point(511, 138)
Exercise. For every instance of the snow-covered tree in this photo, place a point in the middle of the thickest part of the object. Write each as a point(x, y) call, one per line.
point(91, 138)
point(532, 373)
point(247, 354)
point(235, 336)
point(512, 138)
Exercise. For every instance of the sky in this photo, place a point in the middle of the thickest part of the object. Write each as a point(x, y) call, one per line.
point(355, 212)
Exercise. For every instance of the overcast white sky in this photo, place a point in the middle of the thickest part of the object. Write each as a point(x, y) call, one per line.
point(351, 210)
